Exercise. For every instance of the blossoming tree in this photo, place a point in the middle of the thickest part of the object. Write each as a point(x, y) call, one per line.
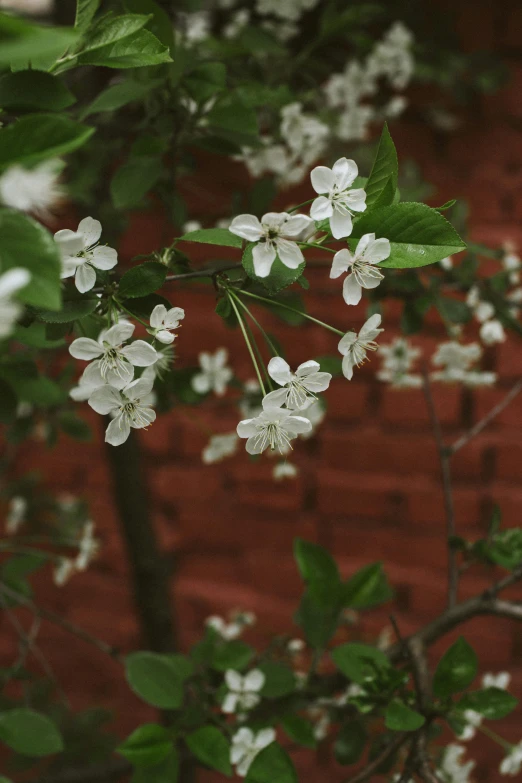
point(168, 82)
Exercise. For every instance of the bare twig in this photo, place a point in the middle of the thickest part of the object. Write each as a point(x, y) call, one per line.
point(373, 766)
point(483, 423)
point(445, 469)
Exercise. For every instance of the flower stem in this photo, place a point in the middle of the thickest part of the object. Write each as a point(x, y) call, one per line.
point(293, 310)
point(119, 304)
point(317, 245)
point(496, 737)
point(254, 319)
point(303, 204)
point(249, 344)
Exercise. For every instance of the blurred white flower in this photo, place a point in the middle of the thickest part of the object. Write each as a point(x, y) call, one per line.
point(246, 745)
point(243, 692)
point(36, 191)
point(87, 548)
point(500, 680)
point(492, 332)
point(10, 310)
point(284, 470)
point(16, 511)
point(226, 630)
point(456, 361)
point(214, 375)
point(452, 765)
point(512, 763)
point(163, 321)
point(219, 447)
point(63, 571)
point(398, 359)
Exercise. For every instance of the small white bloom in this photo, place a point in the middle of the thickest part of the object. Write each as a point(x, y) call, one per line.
point(214, 375)
point(63, 571)
point(90, 380)
point(87, 547)
point(511, 262)
point(398, 359)
point(392, 57)
point(163, 321)
point(302, 132)
point(243, 692)
point(192, 225)
point(354, 122)
point(114, 360)
point(361, 266)
point(512, 763)
point(446, 263)
point(492, 332)
point(273, 235)
point(246, 745)
point(11, 282)
point(337, 202)
point(237, 23)
point(354, 346)
point(226, 630)
point(275, 427)
point(16, 512)
point(197, 26)
point(473, 720)
point(35, 190)
point(219, 447)
point(500, 680)
point(295, 646)
point(453, 767)
point(299, 388)
point(82, 255)
point(456, 361)
point(284, 470)
point(130, 407)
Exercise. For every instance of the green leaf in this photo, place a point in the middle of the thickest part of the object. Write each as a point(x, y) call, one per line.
point(350, 742)
point(400, 717)
point(41, 391)
point(136, 51)
point(366, 588)
point(318, 621)
point(134, 179)
point(8, 403)
point(213, 236)
point(505, 548)
point(232, 655)
point(143, 306)
point(234, 120)
point(111, 29)
point(26, 90)
point(75, 427)
point(166, 771)
point(160, 23)
point(85, 11)
point(453, 310)
point(299, 730)
point(121, 94)
point(271, 765)
point(456, 669)
point(23, 43)
point(142, 280)
point(205, 80)
point(30, 733)
point(24, 242)
point(211, 748)
point(148, 744)
point(35, 336)
point(72, 309)
point(280, 275)
point(359, 661)
point(382, 182)
point(37, 137)
point(418, 234)
point(279, 680)
point(155, 679)
point(492, 703)
point(319, 571)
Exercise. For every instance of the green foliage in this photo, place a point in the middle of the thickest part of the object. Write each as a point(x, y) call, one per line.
point(319, 571)
point(382, 182)
point(273, 763)
point(279, 679)
point(350, 742)
point(148, 744)
point(23, 44)
point(166, 771)
point(74, 307)
point(111, 29)
point(280, 275)
point(31, 90)
point(213, 236)
point(134, 51)
point(299, 730)
point(205, 80)
point(121, 94)
point(366, 588)
point(400, 717)
point(156, 679)
point(232, 655)
point(456, 669)
point(28, 732)
point(492, 703)
point(211, 747)
point(37, 137)
point(359, 661)
point(134, 179)
point(85, 11)
point(142, 280)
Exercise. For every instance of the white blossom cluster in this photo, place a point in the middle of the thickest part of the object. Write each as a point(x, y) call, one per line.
point(398, 359)
point(36, 191)
point(457, 365)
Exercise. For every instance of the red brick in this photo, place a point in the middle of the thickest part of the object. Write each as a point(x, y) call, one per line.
point(347, 401)
point(407, 407)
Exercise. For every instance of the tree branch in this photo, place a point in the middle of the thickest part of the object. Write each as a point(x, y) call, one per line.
point(373, 766)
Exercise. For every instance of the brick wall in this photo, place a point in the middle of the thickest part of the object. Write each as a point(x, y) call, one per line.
point(369, 482)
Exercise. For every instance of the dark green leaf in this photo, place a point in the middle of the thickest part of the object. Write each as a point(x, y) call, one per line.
point(456, 669)
point(85, 11)
point(233, 120)
point(35, 336)
point(382, 182)
point(142, 280)
point(359, 661)
point(350, 742)
point(280, 275)
point(213, 236)
point(318, 621)
point(75, 427)
point(206, 80)
point(155, 679)
point(453, 310)
point(400, 717)
point(279, 679)
point(166, 771)
point(26, 90)
point(319, 571)
point(271, 765)
point(72, 310)
point(211, 748)
point(148, 744)
point(492, 703)
point(111, 29)
point(121, 94)
point(299, 730)
point(160, 23)
point(134, 179)
point(505, 548)
point(366, 588)
point(37, 137)
point(29, 732)
point(23, 43)
point(232, 655)
point(136, 51)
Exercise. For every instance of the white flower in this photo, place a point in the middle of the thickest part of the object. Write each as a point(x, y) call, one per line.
point(392, 57)
point(299, 388)
point(354, 346)
point(285, 9)
point(295, 646)
point(191, 225)
point(500, 680)
point(473, 720)
point(16, 512)
point(337, 202)
point(446, 263)
point(63, 571)
point(214, 375)
point(238, 21)
point(219, 447)
point(303, 133)
point(246, 745)
point(275, 427)
point(81, 254)
point(398, 359)
point(130, 408)
point(35, 190)
point(197, 26)
point(492, 332)
point(284, 470)
point(226, 630)
point(456, 361)
point(511, 262)
point(452, 766)
point(87, 547)
point(90, 380)
point(512, 763)
point(354, 122)
point(272, 237)
point(243, 693)
point(116, 362)
point(11, 282)
point(163, 321)
point(361, 265)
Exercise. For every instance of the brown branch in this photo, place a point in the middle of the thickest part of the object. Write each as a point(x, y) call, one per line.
point(445, 469)
point(483, 423)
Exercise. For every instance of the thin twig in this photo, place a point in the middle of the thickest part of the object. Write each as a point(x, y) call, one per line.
point(373, 766)
point(483, 423)
point(445, 469)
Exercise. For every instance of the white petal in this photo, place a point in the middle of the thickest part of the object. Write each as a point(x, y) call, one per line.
point(12, 280)
point(342, 261)
point(368, 280)
point(276, 398)
point(371, 324)
point(105, 399)
point(295, 425)
point(346, 342)
point(140, 354)
point(306, 368)
point(274, 220)
point(289, 253)
point(84, 278)
point(341, 224)
point(234, 680)
point(264, 738)
point(174, 315)
point(201, 383)
point(148, 416)
point(118, 334)
point(352, 291)
point(356, 200)
point(321, 208)
point(264, 256)
point(138, 389)
point(69, 266)
point(85, 348)
point(378, 250)
point(117, 432)
point(348, 367)
point(230, 703)
point(279, 370)
point(323, 180)
point(104, 257)
point(246, 428)
point(69, 242)
point(157, 317)
point(220, 358)
point(255, 445)
point(296, 224)
point(91, 230)
point(165, 337)
point(345, 171)
point(122, 377)
point(247, 227)
point(318, 382)
point(254, 680)
point(363, 243)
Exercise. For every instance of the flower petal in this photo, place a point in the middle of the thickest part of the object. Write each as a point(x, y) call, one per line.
point(105, 399)
point(147, 417)
point(254, 680)
point(264, 738)
point(307, 368)
point(341, 223)
point(117, 334)
point(69, 242)
point(12, 280)
point(84, 278)
point(117, 432)
point(342, 261)
point(289, 253)
point(157, 317)
point(279, 370)
point(85, 348)
point(138, 389)
point(276, 398)
point(295, 425)
point(346, 342)
point(201, 383)
point(234, 680)
point(352, 291)
point(321, 208)
point(264, 255)
point(230, 703)
point(356, 200)
point(247, 428)
point(255, 445)
point(140, 354)
point(121, 377)
point(173, 317)
point(378, 250)
point(317, 382)
point(344, 171)
point(247, 227)
point(323, 180)
point(165, 337)
point(91, 230)
point(348, 366)
point(371, 324)
point(104, 257)
point(296, 224)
